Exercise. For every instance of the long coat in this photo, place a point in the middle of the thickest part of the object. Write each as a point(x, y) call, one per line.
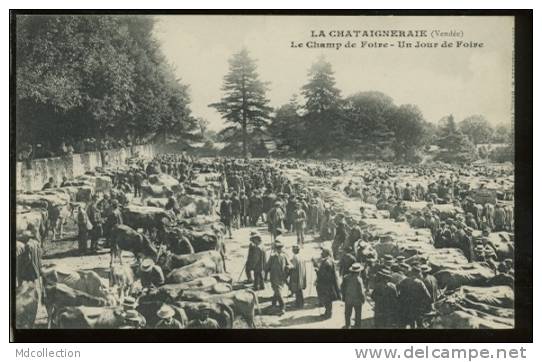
point(256, 258)
point(298, 275)
point(327, 285)
point(277, 267)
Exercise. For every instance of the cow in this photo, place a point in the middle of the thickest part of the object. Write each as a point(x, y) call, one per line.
point(157, 202)
point(169, 261)
point(201, 268)
point(84, 317)
point(122, 277)
point(242, 302)
point(124, 237)
point(58, 296)
point(26, 304)
point(202, 203)
point(86, 281)
point(146, 217)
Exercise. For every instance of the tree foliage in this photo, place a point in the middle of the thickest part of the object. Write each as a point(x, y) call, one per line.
point(477, 128)
point(244, 104)
point(90, 76)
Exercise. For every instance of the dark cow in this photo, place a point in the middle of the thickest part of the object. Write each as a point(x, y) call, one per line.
point(146, 217)
point(124, 237)
point(26, 305)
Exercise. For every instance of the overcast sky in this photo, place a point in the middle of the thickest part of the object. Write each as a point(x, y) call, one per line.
point(440, 81)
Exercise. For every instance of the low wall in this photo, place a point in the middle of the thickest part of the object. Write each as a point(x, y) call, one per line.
point(31, 176)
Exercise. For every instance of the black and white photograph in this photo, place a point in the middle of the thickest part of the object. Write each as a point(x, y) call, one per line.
point(257, 171)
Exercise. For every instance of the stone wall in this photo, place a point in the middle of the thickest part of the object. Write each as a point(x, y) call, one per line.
point(31, 176)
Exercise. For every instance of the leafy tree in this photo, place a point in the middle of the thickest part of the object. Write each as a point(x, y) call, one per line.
point(287, 127)
point(455, 146)
point(409, 130)
point(368, 117)
point(477, 128)
point(97, 77)
point(503, 134)
point(244, 104)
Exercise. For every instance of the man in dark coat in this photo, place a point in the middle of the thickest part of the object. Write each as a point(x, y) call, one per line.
point(277, 268)
point(298, 277)
point(95, 217)
point(226, 213)
point(430, 282)
point(414, 299)
point(347, 259)
point(353, 295)
point(256, 260)
point(327, 285)
point(386, 301)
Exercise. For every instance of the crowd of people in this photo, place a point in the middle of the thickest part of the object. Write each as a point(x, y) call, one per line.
point(257, 191)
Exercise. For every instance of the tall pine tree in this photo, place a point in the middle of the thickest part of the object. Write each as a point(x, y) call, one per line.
point(244, 103)
point(323, 119)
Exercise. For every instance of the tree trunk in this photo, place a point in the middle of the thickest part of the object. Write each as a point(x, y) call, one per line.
point(244, 137)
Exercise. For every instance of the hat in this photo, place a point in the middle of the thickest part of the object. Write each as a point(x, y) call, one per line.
point(326, 251)
point(278, 244)
point(404, 267)
point(129, 303)
point(386, 237)
point(132, 315)
point(355, 268)
point(114, 202)
point(146, 265)
point(388, 257)
point(384, 273)
point(400, 258)
point(204, 307)
point(277, 203)
point(165, 311)
point(295, 247)
point(425, 268)
point(479, 247)
point(255, 235)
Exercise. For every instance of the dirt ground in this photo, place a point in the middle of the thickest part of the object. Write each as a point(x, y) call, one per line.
point(64, 253)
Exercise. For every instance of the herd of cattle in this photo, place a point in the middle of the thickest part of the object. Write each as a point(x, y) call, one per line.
point(91, 297)
point(474, 294)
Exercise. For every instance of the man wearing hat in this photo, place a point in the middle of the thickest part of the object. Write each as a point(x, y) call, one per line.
point(385, 300)
point(277, 268)
point(298, 277)
point(95, 217)
point(352, 291)
point(327, 285)
point(256, 259)
point(132, 318)
point(167, 321)
point(151, 274)
point(226, 213)
point(203, 321)
point(430, 282)
point(414, 299)
point(275, 218)
point(300, 218)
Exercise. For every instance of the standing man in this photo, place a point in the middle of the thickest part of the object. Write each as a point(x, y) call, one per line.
point(300, 218)
point(95, 217)
point(386, 301)
point(298, 277)
point(236, 210)
point(414, 299)
point(255, 261)
point(275, 217)
point(84, 225)
point(353, 295)
point(277, 268)
point(327, 285)
point(226, 213)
